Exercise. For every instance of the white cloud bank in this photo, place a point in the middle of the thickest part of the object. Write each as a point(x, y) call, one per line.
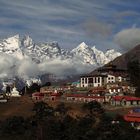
point(64, 67)
point(7, 64)
point(26, 68)
point(128, 38)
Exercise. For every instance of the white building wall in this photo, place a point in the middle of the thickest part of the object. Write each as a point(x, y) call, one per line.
point(111, 79)
point(119, 78)
point(84, 82)
point(97, 82)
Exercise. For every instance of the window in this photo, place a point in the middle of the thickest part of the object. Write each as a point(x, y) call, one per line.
point(90, 80)
point(98, 79)
point(85, 80)
point(103, 79)
point(73, 99)
point(95, 80)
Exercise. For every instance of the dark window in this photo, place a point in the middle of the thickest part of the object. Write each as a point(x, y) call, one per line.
point(73, 99)
point(85, 80)
point(90, 80)
point(98, 79)
point(95, 79)
point(124, 102)
point(103, 79)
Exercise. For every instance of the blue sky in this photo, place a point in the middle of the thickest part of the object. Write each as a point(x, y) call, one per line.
point(104, 23)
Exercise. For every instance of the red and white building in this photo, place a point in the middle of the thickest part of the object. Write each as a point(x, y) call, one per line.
point(37, 96)
point(125, 101)
point(104, 76)
point(84, 98)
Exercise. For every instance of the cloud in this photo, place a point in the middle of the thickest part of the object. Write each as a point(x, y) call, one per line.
point(128, 13)
point(62, 68)
point(96, 28)
point(59, 20)
point(12, 67)
point(48, 19)
point(128, 38)
point(26, 68)
point(7, 64)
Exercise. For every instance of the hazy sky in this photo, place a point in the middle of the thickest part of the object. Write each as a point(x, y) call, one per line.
point(104, 23)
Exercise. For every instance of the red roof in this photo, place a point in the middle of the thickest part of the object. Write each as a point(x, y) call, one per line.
point(133, 117)
point(97, 90)
point(55, 94)
point(37, 94)
point(75, 95)
point(115, 88)
point(127, 98)
point(95, 97)
point(118, 98)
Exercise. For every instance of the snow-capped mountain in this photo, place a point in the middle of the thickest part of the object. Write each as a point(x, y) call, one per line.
point(112, 54)
point(93, 56)
point(12, 46)
point(51, 53)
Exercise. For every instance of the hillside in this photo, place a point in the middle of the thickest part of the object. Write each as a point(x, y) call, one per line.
point(133, 54)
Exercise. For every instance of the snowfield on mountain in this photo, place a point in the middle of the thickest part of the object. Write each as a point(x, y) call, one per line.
point(28, 58)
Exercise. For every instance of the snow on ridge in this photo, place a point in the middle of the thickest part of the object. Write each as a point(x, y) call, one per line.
point(50, 54)
point(81, 47)
point(112, 54)
point(11, 43)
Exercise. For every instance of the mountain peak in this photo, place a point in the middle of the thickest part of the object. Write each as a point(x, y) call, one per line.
point(50, 52)
point(27, 41)
point(11, 43)
point(13, 38)
point(16, 36)
point(94, 48)
point(82, 45)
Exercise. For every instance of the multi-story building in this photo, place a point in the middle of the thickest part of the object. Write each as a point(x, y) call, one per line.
point(97, 80)
point(104, 76)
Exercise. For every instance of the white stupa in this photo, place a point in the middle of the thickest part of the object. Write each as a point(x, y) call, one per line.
point(15, 93)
